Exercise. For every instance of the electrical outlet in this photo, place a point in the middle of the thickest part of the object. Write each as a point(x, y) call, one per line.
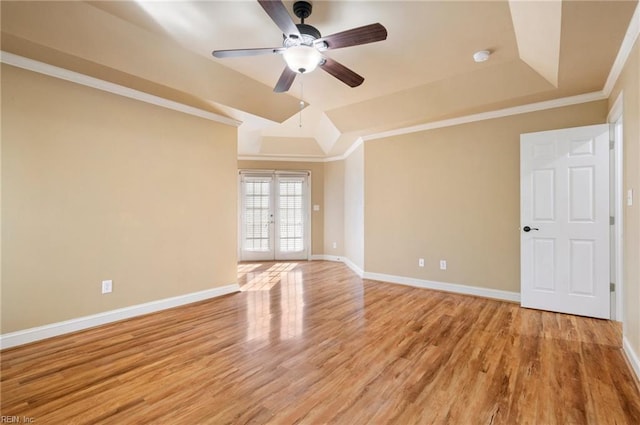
point(335, 245)
point(443, 264)
point(420, 262)
point(107, 286)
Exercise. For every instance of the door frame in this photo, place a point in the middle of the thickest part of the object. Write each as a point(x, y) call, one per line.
point(614, 118)
point(308, 214)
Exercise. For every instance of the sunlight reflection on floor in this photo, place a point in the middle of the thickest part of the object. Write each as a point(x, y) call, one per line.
point(273, 311)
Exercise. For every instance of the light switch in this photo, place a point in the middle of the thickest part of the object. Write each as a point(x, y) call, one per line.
point(629, 197)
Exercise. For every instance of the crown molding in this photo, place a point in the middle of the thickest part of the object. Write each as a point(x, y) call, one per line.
point(85, 80)
point(352, 148)
point(294, 158)
point(629, 40)
point(500, 113)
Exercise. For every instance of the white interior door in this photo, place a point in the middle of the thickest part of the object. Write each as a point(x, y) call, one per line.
point(564, 216)
point(274, 216)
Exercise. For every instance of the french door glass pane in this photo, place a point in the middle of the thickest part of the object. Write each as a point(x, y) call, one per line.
point(257, 214)
point(291, 226)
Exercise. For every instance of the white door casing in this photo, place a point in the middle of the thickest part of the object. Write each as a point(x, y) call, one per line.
point(564, 201)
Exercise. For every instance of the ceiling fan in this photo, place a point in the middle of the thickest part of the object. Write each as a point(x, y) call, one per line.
point(303, 45)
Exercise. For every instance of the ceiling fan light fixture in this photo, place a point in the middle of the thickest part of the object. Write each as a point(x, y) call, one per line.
point(302, 58)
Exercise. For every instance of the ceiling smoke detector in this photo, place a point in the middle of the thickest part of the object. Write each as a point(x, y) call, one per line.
point(481, 56)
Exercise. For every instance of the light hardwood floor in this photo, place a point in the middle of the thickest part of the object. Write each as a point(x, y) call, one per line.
point(312, 343)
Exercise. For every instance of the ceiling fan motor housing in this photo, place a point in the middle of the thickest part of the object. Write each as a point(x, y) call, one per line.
point(308, 30)
point(308, 34)
point(302, 9)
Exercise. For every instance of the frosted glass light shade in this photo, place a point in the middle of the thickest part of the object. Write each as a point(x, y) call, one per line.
point(302, 59)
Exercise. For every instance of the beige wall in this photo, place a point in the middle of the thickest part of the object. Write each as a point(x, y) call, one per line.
point(629, 84)
point(317, 193)
point(97, 186)
point(453, 193)
point(354, 207)
point(334, 208)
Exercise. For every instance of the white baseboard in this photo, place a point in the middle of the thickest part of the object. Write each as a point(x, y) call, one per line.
point(448, 287)
point(420, 283)
point(325, 257)
point(26, 336)
point(353, 266)
point(632, 356)
point(357, 270)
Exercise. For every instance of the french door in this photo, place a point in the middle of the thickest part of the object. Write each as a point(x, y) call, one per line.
point(274, 216)
point(565, 220)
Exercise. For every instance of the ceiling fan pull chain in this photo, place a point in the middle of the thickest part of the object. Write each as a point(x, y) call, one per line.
point(301, 99)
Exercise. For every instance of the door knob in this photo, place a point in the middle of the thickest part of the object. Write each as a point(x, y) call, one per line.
point(528, 229)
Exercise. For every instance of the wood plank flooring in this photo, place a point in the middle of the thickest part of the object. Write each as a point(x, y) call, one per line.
point(312, 343)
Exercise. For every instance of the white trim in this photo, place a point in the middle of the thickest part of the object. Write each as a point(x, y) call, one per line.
point(353, 266)
point(630, 38)
point(615, 114)
point(325, 257)
point(297, 158)
point(340, 259)
point(85, 80)
point(632, 356)
point(26, 336)
point(448, 287)
point(269, 172)
point(285, 158)
point(500, 113)
point(348, 152)
point(616, 109)
point(308, 237)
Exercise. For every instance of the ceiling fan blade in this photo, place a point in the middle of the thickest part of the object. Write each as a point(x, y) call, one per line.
point(285, 81)
point(278, 14)
point(341, 72)
point(246, 52)
point(356, 36)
